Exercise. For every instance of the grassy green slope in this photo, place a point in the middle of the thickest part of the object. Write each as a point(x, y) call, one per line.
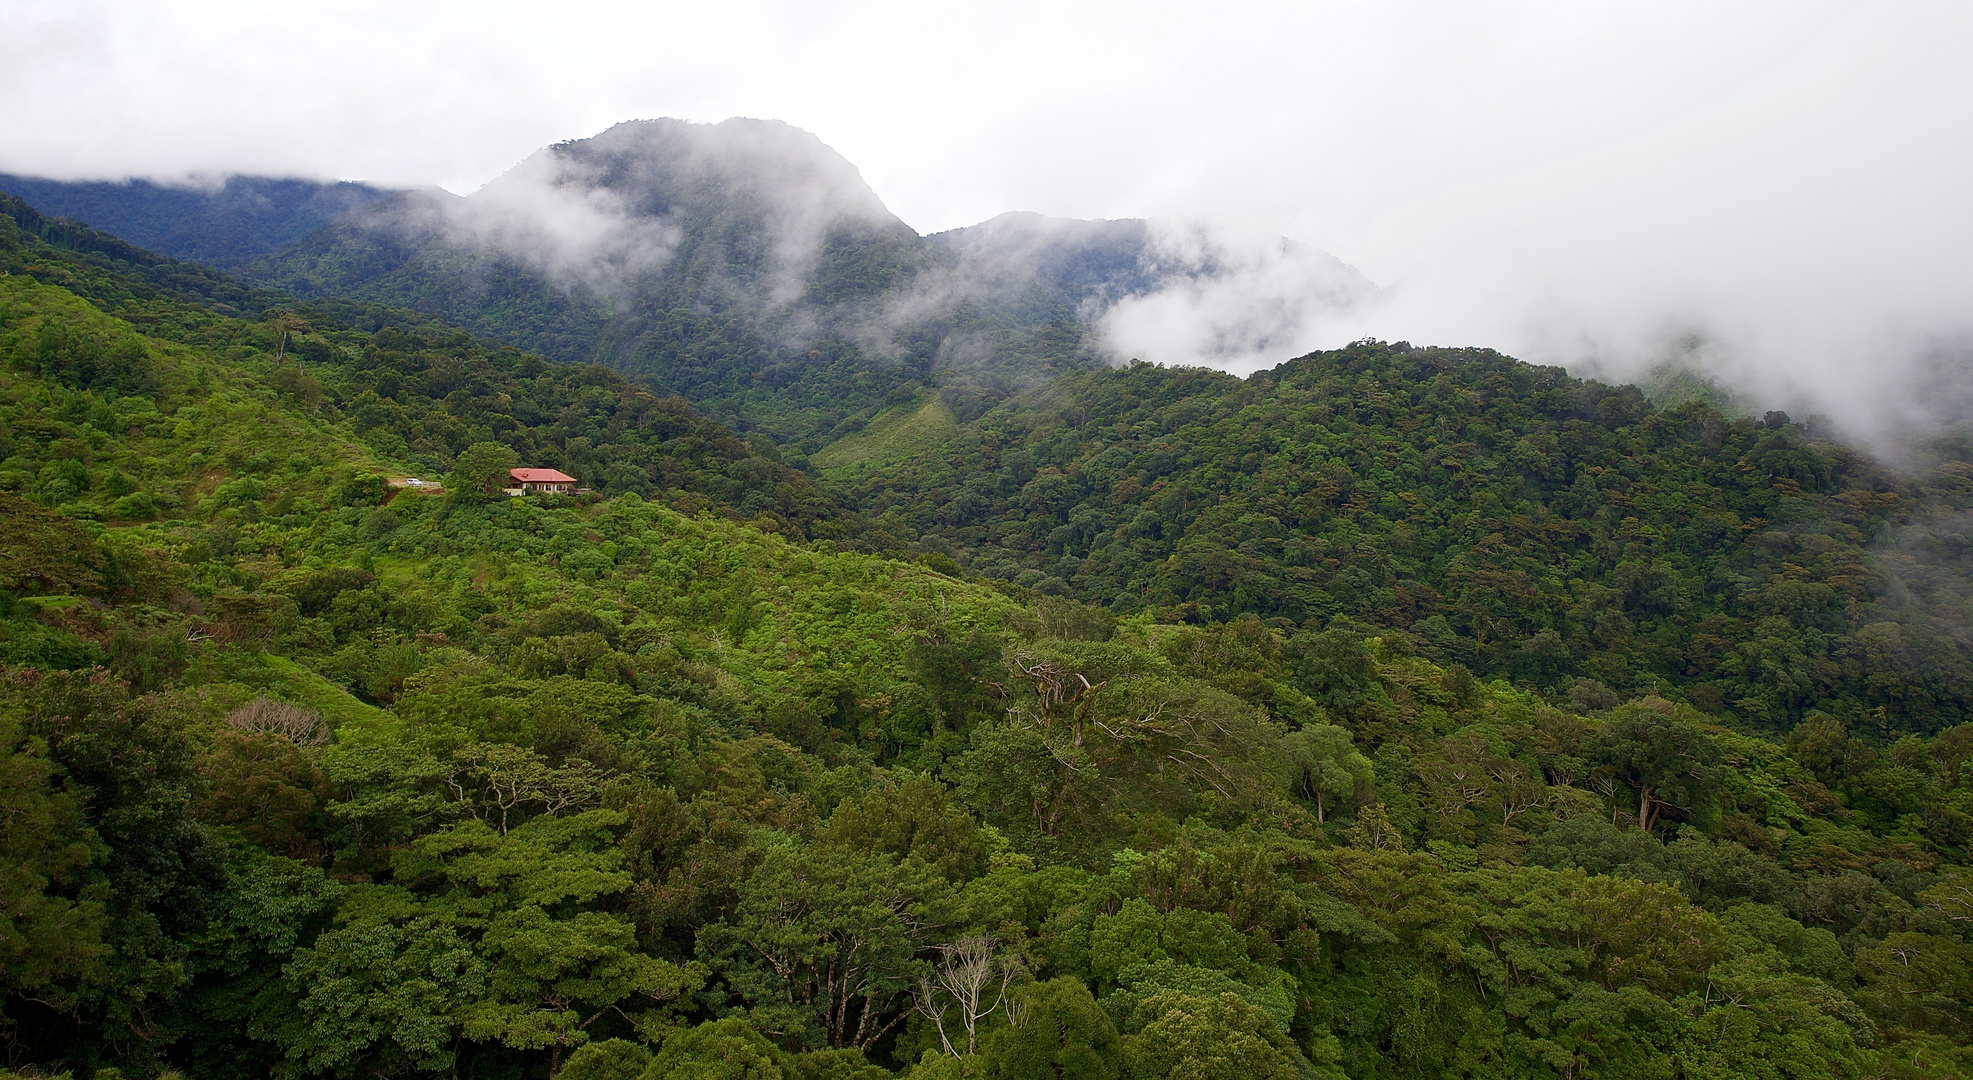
point(896, 438)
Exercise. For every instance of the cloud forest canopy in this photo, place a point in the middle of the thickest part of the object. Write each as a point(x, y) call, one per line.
point(1396, 713)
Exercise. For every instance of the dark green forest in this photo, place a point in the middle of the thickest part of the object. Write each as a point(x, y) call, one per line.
point(1507, 518)
point(225, 226)
point(1396, 713)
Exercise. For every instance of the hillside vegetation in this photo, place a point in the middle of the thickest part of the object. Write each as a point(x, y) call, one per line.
point(1504, 517)
point(706, 775)
point(414, 392)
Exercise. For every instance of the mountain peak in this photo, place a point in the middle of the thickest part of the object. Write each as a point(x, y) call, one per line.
point(664, 166)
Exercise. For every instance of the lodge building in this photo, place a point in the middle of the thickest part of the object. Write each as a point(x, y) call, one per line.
point(540, 482)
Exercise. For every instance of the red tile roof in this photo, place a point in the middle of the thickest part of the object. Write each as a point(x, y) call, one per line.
point(542, 476)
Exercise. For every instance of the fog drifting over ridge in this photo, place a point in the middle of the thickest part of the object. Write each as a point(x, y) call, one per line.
point(1231, 298)
point(1772, 190)
point(600, 211)
point(597, 213)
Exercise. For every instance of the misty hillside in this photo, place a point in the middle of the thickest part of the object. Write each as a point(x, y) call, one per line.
point(719, 260)
point(1031, 267)
point(227, 226)
point(749, 268)
point(1438, 715)
point(745, 265)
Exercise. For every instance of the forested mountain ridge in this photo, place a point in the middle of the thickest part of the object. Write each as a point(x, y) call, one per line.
point(745, 266)
point(1505, 517)
point(722, 260)
point(306, 783)
point(225, 226)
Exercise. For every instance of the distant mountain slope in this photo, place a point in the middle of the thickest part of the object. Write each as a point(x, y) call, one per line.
point(722, 260)
point(1172, 291)
point(1063, 255)
point(229, 226)
point(748, 267)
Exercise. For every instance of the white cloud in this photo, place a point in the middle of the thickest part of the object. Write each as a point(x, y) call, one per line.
point(550, 213)
point(1233, 298)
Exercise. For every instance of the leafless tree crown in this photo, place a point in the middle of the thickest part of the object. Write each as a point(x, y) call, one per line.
point(968, 984)
point(296, 723)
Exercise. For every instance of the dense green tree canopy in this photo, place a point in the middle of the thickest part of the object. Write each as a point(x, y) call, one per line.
point(1506, 518)
point(712, 774)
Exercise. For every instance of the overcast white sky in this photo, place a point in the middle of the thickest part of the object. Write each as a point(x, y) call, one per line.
point(1564, 180)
